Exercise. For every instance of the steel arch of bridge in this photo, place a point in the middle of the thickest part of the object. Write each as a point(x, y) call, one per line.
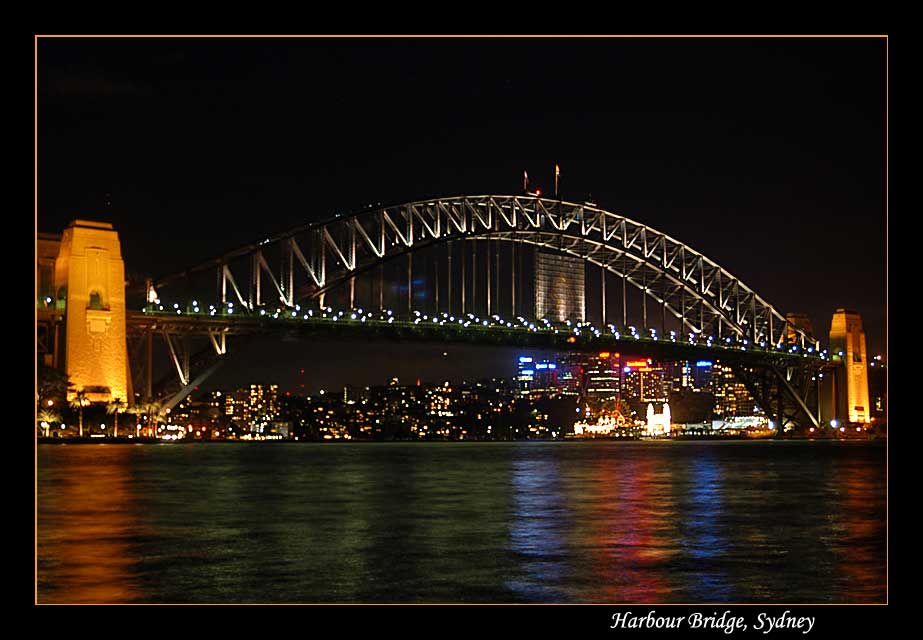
point(701, 294)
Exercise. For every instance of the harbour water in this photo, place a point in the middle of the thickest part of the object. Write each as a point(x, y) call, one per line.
point(535, 522)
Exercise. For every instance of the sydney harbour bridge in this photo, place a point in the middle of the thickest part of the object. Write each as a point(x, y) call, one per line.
point(460, 269)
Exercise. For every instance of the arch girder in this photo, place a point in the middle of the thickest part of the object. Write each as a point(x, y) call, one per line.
point(660, 265)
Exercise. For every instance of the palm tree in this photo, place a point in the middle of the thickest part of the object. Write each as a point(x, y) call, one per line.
point(154, 410)
point(79, 401)
point(151, 410)
point(135, 410)
point(115, 407)
point(46, 417)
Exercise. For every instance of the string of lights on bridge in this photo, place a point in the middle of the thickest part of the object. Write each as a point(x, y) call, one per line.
point(473, 322)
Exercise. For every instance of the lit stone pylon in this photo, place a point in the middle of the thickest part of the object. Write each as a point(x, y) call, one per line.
point(848, 337)
point(91, 273)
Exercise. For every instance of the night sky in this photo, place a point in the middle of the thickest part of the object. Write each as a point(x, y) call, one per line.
point(767, 155)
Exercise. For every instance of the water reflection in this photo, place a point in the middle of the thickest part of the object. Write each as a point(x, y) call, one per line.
point(538, 519)
point(87, 520)
point(703, 541)
point(489, 522)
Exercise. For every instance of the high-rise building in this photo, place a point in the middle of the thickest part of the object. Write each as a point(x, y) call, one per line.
point(731, 395)
point(559, 287)
point(546, 378)
point(680, 375)
point(702, 375)
point(525, 375)
point(847, 341)
point(631, 371)
point(653, 385)
point(601, 375)
point(571, 373)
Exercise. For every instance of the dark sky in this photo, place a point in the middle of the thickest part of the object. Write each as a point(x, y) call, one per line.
point(767, 155)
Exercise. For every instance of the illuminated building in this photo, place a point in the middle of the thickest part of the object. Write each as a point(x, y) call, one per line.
point(653, 388)
point(606, 425)
point(264, 404)
point(658, 423)
point(525, 375)
point(571, 368)
point(237, 406)
point(89, 282)
point(848, 338)
point(601, 374)
point(559, 287)
point(702, 375)
point(631, 378)
point(680, 375)
point(355, 394)
point(253, 408)
point(731, 396)
point(546, 379)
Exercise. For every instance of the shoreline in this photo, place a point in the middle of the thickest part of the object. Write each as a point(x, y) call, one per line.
point(683, 439)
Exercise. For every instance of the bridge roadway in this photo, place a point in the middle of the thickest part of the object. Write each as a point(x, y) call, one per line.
point(353, 325)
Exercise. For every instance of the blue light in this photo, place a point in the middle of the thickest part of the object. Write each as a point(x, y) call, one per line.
point(541, 366)
point(703, 363)
point(552, 366)
point(525, 359)
point(528, 372)
point(627, 369)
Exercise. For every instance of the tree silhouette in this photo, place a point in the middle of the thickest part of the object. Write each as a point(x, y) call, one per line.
point(79, 401)
point(114, 408)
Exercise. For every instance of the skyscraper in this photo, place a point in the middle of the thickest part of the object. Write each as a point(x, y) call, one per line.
point(851, 381)
point(602, 376)
point(559, 287)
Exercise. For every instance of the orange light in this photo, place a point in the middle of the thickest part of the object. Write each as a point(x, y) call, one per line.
point(572, 339)
point(604, 354)
point(538, 192)
point(636, 363)
point(617, 355)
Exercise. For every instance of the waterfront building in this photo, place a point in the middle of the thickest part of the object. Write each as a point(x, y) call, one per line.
point(731, 395)
point(658, 423)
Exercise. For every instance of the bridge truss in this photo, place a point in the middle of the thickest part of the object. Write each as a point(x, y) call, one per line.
point(657, 281)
